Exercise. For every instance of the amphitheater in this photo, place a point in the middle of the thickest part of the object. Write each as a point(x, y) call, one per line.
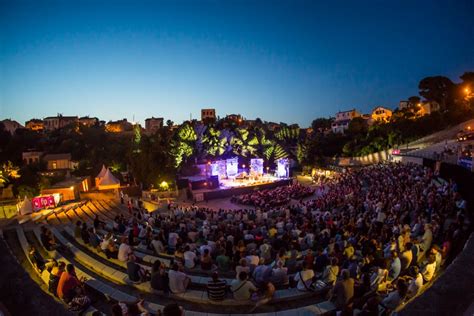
point(107, 280)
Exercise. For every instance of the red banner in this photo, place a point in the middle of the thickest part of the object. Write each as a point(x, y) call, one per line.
point(43, 202)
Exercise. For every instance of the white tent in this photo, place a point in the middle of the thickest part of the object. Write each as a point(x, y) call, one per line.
point(108, 181)
point(101, 174)
point(26, 207)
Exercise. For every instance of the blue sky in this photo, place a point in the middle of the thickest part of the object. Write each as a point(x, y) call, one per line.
point(281, 61)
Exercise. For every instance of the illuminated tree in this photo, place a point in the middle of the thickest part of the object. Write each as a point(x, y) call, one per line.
point(183, 144)
point(8, 172)
point(288, 134)
point(244, 143)
point(218, 142)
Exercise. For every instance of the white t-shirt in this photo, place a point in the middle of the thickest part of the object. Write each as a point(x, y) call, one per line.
point(429, 271)
point(415, 285)
point(305, 276)
point(189, 258)
point(172, 239)
point(177, 281)
point(381, 216)
point(124, 251)
point(158, 246)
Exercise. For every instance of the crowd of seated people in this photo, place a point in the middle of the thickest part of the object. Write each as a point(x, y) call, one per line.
point(274, 197)
point(376, 236)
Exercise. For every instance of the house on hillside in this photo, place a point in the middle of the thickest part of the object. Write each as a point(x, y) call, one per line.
point(381, 114)
point(11, 126)
point(420, 109)
point(88, 121)
point(208, 115)
point(35, 125)
point(428, 107)
point(59, 162)
point(59, 121)
point(153, 124)
point(118, 126)
point(31, 157)
point(341, 123)
point(272, 126)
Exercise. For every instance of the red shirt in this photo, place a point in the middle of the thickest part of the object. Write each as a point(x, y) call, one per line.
point(66, 283)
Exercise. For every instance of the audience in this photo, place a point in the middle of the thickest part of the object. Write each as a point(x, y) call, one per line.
point(386, 227)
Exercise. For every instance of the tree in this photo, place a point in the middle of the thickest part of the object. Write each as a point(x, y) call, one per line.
point(357, 127)
point(169, 123)
point(321, 124)
point(439, 89)
point(414, 100)
point(467, 77)
point(467, 89)
point(8, 172)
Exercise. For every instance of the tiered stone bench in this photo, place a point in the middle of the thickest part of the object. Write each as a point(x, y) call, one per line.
point(190, 295)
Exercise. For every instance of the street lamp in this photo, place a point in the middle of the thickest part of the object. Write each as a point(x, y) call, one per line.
point(467, 91)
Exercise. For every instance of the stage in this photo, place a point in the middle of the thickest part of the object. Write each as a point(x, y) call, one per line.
point(231, 187)
point(236, 182)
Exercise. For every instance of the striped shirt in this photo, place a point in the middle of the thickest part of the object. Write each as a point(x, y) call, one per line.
point(216, 290)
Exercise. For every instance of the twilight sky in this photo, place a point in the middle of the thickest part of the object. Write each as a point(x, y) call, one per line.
point(288, 61)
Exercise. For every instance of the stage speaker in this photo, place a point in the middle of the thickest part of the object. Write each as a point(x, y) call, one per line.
point(182, 183)
point(199, 185)
point(213, 182)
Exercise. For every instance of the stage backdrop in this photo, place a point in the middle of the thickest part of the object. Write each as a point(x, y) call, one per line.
point(219, 169)
point(256, 166)
point(283, 168)
point(232, 167)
